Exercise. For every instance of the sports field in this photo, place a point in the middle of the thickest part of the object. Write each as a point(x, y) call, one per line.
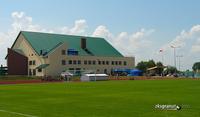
point(135, 98)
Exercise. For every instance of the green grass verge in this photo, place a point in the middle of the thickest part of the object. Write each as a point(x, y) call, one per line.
point(102, 99)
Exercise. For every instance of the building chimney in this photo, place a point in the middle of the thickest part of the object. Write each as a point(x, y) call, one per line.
point(41, 52)
point(83, 43)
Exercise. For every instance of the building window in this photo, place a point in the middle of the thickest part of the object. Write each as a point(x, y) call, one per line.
point(89, 62)
point(105, 71)
point(63, 52)
point(71, 69)
point(78, 71)
point(99, 62)
point(112, 63)
point(120, 63)
point(30, 62)
point(125, 63)
point(34, 72)
point(30, 72)
point(107, 62)
point(70, 62)
point(93, 62)
point(33, 62)
point(85, 62)
point(63, 62)
point(79, 62)
point(103, 62)
point(72, 52)
point(74, 62)
point(39, 70)
point(116, 62)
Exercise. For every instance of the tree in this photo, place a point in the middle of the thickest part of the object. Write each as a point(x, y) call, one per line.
point(170, 70)
point(150, 64)
point(196, 66)
point(160, 68)
point(144, 65)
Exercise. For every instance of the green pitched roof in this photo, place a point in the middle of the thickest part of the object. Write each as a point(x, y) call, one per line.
point(48, 41)
point(42, 66)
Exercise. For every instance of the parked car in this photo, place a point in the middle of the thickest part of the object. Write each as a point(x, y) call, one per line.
point(66, 75)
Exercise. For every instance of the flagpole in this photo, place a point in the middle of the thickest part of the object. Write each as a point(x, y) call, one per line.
point(162, 56)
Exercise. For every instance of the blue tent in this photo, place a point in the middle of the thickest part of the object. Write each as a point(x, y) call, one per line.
point(135, 72)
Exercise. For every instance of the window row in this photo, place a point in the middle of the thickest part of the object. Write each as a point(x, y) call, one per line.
point(32, 72)
point(90, 62)
point(32, 62)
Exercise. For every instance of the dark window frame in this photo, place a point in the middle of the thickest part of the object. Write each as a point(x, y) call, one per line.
point(33, 62)
point(120, 63)
point(89, 62)
point(63, 62)
point(63, 52)
point(125, 63)
point(116, 62)
point(85, 62)
point(71, 69)
point(99, 62)
point(74, 62)
point(30, 63)
point(39, 70)
point(79, 62)
point(30, 72)
point(94, 62)
point(70, 62)
point(34, 72)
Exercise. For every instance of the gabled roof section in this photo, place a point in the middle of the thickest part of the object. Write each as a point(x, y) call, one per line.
point(47, 41)
point(42, 66)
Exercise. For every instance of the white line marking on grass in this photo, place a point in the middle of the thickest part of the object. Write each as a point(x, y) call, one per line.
point(16, 113)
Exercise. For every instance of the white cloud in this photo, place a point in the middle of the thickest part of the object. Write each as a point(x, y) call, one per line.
point(129, 44)
point(79, 27)
point(189, 46)
point(23, 22)
point(20, 21)
point(102, 31)
point(196, 47)
point(184, 38)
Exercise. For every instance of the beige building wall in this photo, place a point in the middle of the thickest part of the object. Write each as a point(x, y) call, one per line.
point(55, 58)
point(29, 52)
point(56, 67)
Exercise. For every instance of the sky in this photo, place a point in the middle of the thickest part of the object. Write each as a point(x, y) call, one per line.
point(138, 28)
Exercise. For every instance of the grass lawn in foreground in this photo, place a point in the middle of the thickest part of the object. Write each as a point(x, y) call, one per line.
point(135, 98)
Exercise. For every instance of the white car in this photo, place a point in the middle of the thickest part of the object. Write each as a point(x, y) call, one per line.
point(66, 74)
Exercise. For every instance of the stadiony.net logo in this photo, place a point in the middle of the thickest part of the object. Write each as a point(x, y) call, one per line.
point(167, 107)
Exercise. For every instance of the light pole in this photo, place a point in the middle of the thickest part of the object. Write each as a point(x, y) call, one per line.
point(162, 56)
point(179, 59)
point(174, 47)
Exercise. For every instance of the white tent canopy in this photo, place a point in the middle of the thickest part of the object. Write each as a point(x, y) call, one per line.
point(94, 77)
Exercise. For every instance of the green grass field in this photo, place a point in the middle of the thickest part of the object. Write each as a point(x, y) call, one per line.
point(135, 98)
